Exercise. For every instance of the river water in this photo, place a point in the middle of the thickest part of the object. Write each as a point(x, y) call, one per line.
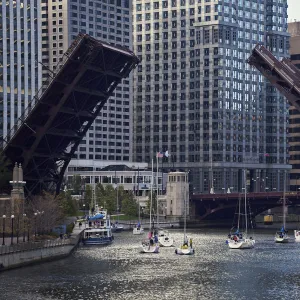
point(119, 271)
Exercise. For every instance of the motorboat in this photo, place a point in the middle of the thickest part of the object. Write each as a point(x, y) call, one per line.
point(116, 227)
point(99, 230)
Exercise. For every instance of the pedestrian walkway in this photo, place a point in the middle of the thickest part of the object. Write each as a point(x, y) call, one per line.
point(7, 240)
point(77, 230)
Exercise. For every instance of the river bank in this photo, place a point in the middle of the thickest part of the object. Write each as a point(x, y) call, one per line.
point(29, 253)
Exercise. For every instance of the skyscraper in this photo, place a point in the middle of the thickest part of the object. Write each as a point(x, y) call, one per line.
point(20, 51)
point(196, 96)
point(108, 20)
point(294, 140)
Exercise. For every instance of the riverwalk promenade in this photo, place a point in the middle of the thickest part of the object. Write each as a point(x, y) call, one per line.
point(26, 253)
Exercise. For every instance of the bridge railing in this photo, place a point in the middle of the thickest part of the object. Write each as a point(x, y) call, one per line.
point(29, 246)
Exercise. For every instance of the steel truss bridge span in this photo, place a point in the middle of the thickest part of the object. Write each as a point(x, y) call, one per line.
point(220, 207)
point(282, 74)
point(49, 131)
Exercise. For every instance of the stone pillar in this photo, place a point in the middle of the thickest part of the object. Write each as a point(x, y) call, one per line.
point(17, 193)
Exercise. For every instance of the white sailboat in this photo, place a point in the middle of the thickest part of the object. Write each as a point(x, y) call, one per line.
point(239, 239)
point(282, 235)
point(186, 248)
point(151, 244)
point(297, 235)
point(164, 238)
point(138, 229)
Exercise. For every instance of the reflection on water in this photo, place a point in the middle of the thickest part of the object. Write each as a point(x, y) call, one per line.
point(119, 271)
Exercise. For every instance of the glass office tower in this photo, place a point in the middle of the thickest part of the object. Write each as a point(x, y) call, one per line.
point(196, 96)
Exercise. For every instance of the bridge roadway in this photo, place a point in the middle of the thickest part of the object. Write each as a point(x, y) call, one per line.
point(46, 136)
point(206, 207)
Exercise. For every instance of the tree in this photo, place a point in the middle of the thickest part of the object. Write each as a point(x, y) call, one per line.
point(5, 175)
point(76, 184)
point(68, 204)
point(45, 212)
point(89, 196)
point(129, 204)
point(110, 199)
point(154, 203)
point(100, 195)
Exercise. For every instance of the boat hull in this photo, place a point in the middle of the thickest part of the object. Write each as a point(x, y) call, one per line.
point(241, 244)
point(165, 241)
point(281, 237)
point(185, 251)
point(138, 231)
point(281, 240)
point(297, 235)
point(98, 241)
point(117, 229)
point(150, 248)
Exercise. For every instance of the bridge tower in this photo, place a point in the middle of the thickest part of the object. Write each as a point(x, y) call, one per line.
point(177, 194)
point(17, 193)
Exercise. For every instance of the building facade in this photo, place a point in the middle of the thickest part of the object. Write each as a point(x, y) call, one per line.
point(109, 138)
point(20, 52)
point(294, 128)
point(196, 96)
point(177, 198)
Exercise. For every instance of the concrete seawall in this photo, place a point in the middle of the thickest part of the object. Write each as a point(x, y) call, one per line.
point(24, 256)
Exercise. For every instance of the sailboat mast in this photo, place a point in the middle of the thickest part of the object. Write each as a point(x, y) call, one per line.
point(157, 219)
point(138, 192)
point(284, 186)
point(151, 188)
point(184, 230)
point(246, 217)
point(117, 196)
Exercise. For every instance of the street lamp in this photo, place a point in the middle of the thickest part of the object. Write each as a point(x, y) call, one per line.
point(12, 229)
point(3, 229)
point(18, 228)
point(35, 214)
point(24, 215)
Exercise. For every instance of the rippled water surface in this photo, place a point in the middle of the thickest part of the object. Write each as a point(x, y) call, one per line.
point(119, 271)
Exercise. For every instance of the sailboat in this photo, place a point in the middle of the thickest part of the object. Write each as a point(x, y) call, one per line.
point(151, 244)
point(239, 239)
point(282, 235)
point(164, 238)
point(138, 229)
point(186, 248)
point(297, 235)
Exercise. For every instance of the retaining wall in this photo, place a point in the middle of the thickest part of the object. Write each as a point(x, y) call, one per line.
point(32, 253)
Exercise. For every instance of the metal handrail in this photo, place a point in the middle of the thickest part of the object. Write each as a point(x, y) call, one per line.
point(29, 246)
